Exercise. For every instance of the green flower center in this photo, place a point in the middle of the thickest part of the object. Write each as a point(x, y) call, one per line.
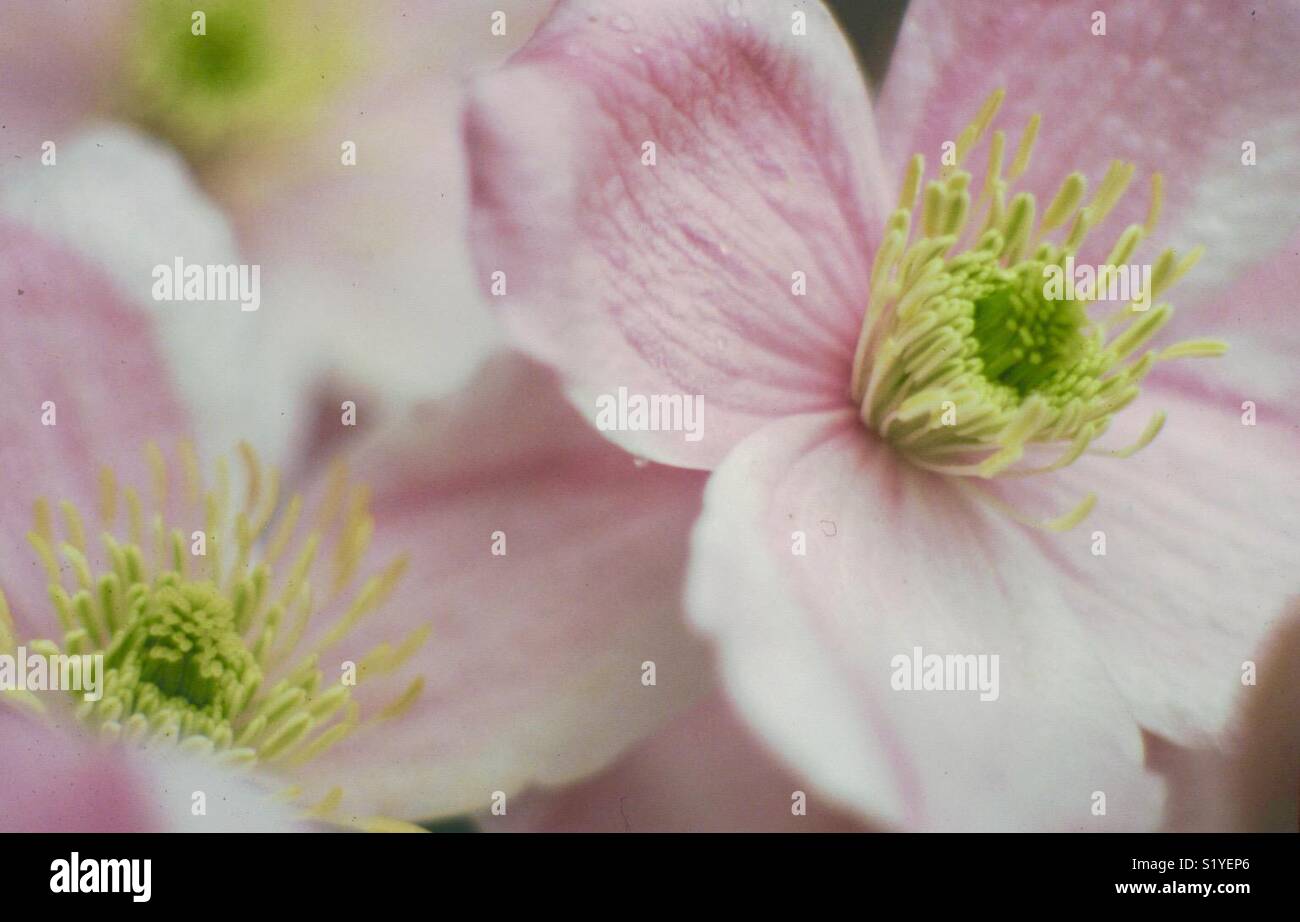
point(257, 69)
point(182, 644)
point(970, 362)
point(229, 60)
point(201, 645)
point(1025, 342)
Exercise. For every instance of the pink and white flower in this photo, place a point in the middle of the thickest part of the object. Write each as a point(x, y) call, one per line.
point(325, 130)
point(478, 672)
point(670, 269)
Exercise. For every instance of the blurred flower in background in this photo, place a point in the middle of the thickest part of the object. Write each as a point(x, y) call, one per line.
point(533, 674)
point(364, 261)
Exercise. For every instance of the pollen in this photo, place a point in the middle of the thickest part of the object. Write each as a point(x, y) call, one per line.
point(969, 362)
point(209, 631)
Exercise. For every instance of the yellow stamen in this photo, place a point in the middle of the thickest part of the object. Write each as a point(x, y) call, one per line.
point(107, 496)
point(967, 362)
point(198, 662)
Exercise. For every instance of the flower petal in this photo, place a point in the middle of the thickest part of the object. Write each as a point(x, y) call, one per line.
point(79, 358)
point(1200, 530)
point(1176, 88)
point(702, 772)
point(129, 205)
point(533, 671)
point(384, 301)
point(55, 60)
point(680, 277)
point(1252, 317)
point(898, 559)
point(366, 263)
point(57, 780)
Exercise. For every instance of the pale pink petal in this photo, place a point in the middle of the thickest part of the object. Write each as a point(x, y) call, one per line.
point(232, 802)
point(464, 34)
point(70, 341)
point(898, 559)
point(679, 277)
point(1200, 530)
point(533, 671)
point(1254, 316)
point(1172, 87)
point(129, 204)
point(57, 780)
point(385, 304)
point(55, 62)
point(703, 772)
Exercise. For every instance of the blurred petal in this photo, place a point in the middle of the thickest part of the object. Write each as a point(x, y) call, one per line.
point(129, 204)
point(70, 340)
point(372, 280)
point(533, 672)
point(55, 60)
point(57, 780)
point(680, 277)
point(898, 559)
point(233, 802)
point(703, 772)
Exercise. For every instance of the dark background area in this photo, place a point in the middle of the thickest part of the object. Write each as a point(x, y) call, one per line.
point(873, 26)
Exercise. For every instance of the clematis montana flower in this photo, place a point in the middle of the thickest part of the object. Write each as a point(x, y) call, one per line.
point(476, 672)
point(264, 107)
point(210, 642)
point(916, 448)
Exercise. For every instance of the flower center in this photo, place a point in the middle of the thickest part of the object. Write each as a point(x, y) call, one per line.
point(202, 646)
point(1026, 343)
point(256, 69)
point(978, 352)
point(182, 644)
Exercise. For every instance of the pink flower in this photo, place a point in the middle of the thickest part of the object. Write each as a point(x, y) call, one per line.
point(661, 182)
point(325, 131)
point(550, 567)
point(479, 672)
point(85, 387)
